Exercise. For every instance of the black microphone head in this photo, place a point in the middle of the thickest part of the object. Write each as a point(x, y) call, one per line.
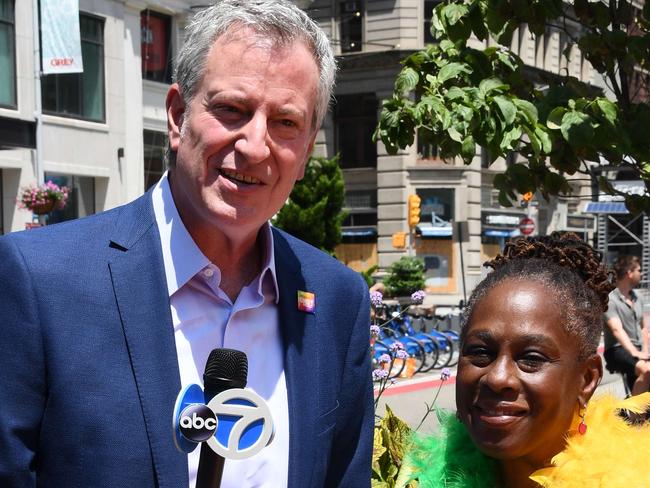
point(225, 369)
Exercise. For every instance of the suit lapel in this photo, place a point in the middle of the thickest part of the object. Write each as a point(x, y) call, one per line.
point(301, 363)
point(139, 284)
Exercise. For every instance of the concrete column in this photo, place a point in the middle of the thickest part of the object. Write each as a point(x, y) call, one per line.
point(132, 163)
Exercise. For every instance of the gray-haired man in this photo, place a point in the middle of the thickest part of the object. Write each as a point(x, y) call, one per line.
point(90, 369)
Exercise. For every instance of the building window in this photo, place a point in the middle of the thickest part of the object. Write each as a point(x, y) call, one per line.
point(81, 199)
point(7, 54)
point(429, 5)
point(355, 119)
point(427, 149)
point(80, 95)
point(361, 206)
point(436, 204)
point(351, 23)
point(155, 46)
point(154, 157)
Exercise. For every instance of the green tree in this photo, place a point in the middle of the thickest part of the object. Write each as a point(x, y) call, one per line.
point(405, 276)
point(457, 97)
point(313, 212)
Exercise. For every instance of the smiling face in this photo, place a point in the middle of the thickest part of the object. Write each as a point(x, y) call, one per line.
point(243, 140)
point(519, 379)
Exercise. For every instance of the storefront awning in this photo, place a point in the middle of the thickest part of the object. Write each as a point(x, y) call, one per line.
point(359, 232)
point(606, 208)
point(500, 232)
point(429, 230)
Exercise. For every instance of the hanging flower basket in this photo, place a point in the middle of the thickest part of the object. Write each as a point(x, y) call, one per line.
point(43, 199)
point(43, 208)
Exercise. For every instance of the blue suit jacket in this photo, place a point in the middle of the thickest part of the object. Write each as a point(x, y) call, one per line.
point(88, 367)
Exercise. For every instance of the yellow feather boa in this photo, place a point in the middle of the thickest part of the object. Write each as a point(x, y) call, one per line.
point(612, 453)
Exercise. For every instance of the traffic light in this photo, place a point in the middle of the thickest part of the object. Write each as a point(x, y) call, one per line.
point(413, 210)
point(526, 198)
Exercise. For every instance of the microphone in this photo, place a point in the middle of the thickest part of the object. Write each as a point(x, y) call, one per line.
point(225, 369)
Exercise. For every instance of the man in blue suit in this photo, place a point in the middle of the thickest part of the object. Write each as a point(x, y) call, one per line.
point(105, 319)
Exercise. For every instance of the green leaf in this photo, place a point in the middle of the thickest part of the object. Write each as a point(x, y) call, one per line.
point(509, 59)
point(389, 117)
point(507, 108)
point(534, 140)
point(527, 109)
point(500, 181)
point(452, 70)
point(489, 85)
point(446, 45)
point(454, 134)
point(454, 12)
point(407, 80)
point(577, 128)
point(544, 139)
point(608, 109)
point(555, 183)
point(504, 201)
point(455, 93)
point(554, 120)
point(521, 177)
point(513, 135)
point(468, 149)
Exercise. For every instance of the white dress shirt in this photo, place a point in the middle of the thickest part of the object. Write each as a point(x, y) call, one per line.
point(205, 318)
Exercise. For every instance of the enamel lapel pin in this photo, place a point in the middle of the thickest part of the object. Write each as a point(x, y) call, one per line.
point(306, 301)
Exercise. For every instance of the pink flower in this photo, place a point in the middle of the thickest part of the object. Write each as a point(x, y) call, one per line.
point(34, 196)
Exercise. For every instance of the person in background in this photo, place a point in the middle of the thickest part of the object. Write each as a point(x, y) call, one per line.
point(105, 319)
point(527, 371)
point(626, 330)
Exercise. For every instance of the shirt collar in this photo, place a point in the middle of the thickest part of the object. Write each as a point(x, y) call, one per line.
point(182, 258)
point(622, 297)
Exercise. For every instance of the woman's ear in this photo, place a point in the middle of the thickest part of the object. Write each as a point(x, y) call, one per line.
point(592, 373)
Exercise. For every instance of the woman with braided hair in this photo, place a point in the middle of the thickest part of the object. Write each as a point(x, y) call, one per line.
point(528, 368)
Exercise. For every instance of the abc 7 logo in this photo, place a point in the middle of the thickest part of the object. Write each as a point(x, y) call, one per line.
point(236, 423)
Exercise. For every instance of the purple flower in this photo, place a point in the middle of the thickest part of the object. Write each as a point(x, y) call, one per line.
point(376, 298)
point(379, 374)
point(384, 358)
point(396, 346)
point(374, 331)
point(393, 381)
point(401, 354)
point(445, 374)
point(417, 297)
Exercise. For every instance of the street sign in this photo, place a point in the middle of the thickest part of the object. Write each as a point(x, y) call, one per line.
point(527, 226)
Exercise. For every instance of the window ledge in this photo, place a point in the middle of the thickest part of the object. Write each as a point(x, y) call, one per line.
point(13, 113)
point(159, 86)
point(75, 123)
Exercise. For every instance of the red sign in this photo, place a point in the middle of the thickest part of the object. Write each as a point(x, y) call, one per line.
point(526, 226)
point(154, 43)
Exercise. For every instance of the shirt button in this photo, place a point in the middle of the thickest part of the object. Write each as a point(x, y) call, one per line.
point(208, 272)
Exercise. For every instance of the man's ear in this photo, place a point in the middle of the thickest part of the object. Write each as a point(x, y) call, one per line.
point(310, 149)
point(175, 112)
point(592, 373)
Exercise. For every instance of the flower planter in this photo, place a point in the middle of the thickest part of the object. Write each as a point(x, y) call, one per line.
point(44, 208)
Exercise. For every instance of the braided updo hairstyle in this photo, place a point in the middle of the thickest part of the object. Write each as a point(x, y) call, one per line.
point(564, 264)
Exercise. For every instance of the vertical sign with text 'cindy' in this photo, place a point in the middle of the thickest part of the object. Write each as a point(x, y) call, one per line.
point(60, 35)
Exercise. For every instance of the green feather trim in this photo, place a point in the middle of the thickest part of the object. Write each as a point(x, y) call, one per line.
point(449, 459)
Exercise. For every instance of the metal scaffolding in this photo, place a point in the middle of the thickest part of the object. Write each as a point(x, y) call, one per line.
point(618, 233)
